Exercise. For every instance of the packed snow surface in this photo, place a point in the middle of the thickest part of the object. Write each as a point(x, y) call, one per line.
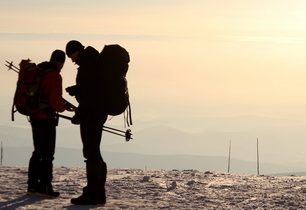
point(159, 189)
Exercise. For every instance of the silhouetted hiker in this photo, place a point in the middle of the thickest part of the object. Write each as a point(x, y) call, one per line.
point(91, 117)
point(44, 124)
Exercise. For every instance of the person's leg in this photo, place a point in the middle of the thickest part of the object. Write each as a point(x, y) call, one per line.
point(48, 150)
point(41, 166)
point(34, 173)
point(96, 169)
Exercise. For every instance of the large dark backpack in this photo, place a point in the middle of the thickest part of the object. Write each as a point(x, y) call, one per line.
point(26, 98)
point(114, 61)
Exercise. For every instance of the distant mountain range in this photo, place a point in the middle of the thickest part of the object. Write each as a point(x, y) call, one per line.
point(19, 156)
point(164, 147)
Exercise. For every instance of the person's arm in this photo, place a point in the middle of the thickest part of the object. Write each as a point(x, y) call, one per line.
point(55, 98)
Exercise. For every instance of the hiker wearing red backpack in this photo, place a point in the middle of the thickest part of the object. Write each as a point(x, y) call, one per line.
point(44, 122)
point(91, 116)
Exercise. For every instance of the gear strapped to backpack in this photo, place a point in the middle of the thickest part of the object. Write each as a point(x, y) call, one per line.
point(27, 96)
point(114, 61)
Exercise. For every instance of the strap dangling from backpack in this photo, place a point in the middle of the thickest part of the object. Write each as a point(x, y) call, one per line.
point(130, 113)
point(127, 116)
point(13, 112)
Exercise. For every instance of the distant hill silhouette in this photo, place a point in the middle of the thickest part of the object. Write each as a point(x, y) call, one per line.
point(164, 147)
point(19, 156)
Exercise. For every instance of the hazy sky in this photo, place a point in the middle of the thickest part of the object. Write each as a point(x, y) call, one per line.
point(190, 60)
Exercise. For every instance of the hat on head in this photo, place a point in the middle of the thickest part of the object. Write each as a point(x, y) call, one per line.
point(58, 56)
point(73, 46)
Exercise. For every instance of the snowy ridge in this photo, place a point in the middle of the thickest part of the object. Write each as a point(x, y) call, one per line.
point(160, 189)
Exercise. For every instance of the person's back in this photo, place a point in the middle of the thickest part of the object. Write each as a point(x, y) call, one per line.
point(50, 91)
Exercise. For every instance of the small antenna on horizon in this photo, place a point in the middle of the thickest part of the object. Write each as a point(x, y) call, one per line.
point(257, 158)
point(1, 154)
point(229, 157)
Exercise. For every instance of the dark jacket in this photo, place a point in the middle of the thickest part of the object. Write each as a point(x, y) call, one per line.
point(88, 85)
point(50, 92)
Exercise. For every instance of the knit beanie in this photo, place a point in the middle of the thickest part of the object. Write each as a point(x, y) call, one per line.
point(73, 46)
point(58, 56)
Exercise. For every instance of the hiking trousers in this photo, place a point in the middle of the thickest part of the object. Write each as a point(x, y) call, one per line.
point(40, 166)
point(96, 170)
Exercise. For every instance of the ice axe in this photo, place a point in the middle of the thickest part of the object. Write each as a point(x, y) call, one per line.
point(127, 134)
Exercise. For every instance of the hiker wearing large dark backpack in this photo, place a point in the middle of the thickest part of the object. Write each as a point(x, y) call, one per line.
point(44, 122)
point(91, 115)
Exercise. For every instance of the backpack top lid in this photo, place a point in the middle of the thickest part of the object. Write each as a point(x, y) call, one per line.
point(115, 54)
point(115, 60)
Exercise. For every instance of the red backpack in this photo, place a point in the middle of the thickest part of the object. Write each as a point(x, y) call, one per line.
point(27, 94)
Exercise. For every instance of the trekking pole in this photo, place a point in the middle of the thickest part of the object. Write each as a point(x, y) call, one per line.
point(72, 107)
point(127, 134)
point(11, 66)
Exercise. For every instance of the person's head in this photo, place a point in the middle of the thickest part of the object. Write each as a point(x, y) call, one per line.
point(58, 58)
point(73, 49)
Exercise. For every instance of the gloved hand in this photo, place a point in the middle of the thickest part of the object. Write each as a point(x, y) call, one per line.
point(71, 90)
point(69, 106)
point(75, 119)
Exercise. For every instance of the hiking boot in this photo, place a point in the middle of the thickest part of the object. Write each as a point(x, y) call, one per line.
point(86, 199)
point(31, 190)
point(48, 191)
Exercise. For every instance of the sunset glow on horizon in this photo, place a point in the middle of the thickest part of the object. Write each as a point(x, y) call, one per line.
point(192, 60)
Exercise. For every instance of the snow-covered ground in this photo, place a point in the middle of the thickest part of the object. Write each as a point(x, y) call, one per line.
point(159, 189)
